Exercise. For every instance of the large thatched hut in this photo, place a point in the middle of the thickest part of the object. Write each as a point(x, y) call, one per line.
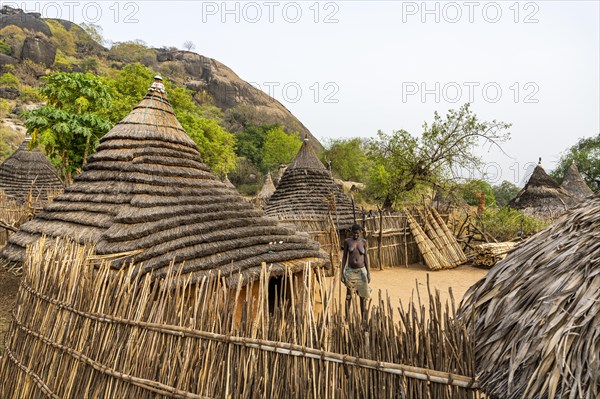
point(574, 184)
point(147, 192)
point(542, 196)
point(28, 175)
point(537, 313)
point(307, 187)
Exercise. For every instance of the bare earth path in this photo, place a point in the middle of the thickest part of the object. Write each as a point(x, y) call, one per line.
point(400, 282)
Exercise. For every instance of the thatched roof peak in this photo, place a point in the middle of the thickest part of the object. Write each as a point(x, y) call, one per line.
point(542, 196)
point(28, 171)
point(307, 187)
point(540, 178)
point(307, 159)
point(147, 192)
point(574, 183)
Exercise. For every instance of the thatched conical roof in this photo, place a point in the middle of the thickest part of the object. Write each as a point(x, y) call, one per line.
point(28, 171)
point(265, 192)
point(537, 313)
point(147, 190)
point(574, 184)
point(228, 183)
point(542, 196)
point(304, 189)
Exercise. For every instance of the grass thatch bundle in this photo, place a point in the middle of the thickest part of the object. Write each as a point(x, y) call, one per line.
point(28, 176)
point(574, 184)
point(537, 313)
point(147, 192)
point(542, 197)
point(306, 187)
point(80, 330)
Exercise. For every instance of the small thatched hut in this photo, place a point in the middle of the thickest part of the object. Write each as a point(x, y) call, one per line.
point(542, 196)
point(29, 175)
point(265, 192)
point(147, 192)
point(574, 184)
point(306, 188)
point(537, 313)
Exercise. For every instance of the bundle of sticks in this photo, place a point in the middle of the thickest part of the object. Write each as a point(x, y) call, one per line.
point(436, 242)
point(486, 255)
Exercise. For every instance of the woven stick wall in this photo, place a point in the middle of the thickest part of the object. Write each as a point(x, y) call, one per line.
point(390, 241)
point(81, 331)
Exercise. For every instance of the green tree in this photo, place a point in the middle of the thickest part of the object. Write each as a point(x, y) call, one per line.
point(403, 163)
point(586, 154)
point(251, 143)
point(469, 190)
point(93, 32)
point(505, 192)
point(73, 120)
point(280, 148)
point(348, 158)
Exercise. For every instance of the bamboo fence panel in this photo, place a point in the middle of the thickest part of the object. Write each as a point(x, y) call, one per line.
point(13, 215)
point(390, 241)
point(82, 330)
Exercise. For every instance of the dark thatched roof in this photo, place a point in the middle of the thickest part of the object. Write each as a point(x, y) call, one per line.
point(305, 188)
point(574, 184)
point(542, 196)
point(537, 313)
point(147, 191)
point(26, 171)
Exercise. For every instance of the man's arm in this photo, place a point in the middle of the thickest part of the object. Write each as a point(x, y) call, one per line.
point(344, 259)
point(367, 261)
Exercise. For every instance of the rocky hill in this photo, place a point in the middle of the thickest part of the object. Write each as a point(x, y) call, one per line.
point(31, 46)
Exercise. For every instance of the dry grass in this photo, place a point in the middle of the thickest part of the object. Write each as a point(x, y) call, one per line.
point(81, 330)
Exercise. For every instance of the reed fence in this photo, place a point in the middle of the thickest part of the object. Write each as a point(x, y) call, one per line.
point(81, 330)
point(13, 215)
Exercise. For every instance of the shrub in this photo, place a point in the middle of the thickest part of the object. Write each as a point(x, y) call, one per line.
point(4, 108)
point(5, 48)
point(62, 38)
point(130, 52)
point(90, 64)
point(13, 37)
point(61, 62)
point(10, 80)
point(30, 95)
point(506, 223)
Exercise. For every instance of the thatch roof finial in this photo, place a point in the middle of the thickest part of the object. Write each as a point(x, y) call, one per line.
point(158, 85)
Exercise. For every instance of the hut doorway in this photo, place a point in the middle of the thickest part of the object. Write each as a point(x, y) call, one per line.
point(280, 293)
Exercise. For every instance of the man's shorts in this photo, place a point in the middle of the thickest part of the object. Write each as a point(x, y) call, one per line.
point(357, 280)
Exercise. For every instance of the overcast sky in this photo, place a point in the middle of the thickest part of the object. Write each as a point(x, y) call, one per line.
point(351, 68)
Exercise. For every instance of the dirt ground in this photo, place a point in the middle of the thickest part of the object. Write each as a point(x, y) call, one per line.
point(400, 283)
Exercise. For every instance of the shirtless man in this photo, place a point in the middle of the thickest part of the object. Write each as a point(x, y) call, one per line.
point(356, 276)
